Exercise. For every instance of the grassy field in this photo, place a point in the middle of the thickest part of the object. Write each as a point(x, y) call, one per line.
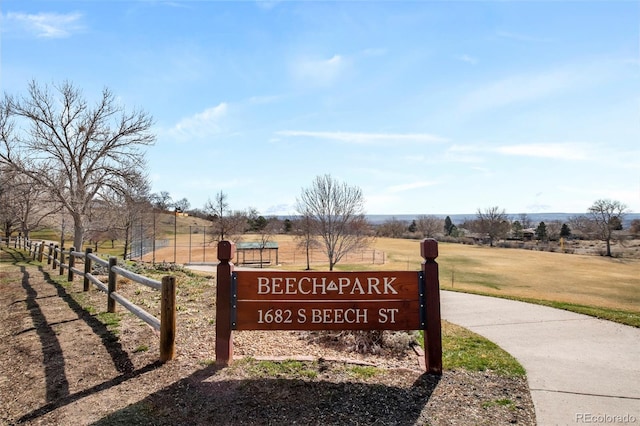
point(569, 278)
point(598, 286)
point(594, 285)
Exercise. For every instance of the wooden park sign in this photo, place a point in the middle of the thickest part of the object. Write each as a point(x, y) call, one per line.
point(305, 300)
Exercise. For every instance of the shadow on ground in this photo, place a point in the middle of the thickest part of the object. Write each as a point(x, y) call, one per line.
point(53, 360)
point(206, 399)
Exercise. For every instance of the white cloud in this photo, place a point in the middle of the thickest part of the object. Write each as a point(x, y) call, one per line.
point(519, 88)
point(409, 186)
point(522, 37)
point(467, 59)
point(314, 72)
point(364, 138)
point(201, 125)
point(267, 4)
point(45, 25)
point(559, 151)
point(535, 86)
point(463, 154)
point(484, 171)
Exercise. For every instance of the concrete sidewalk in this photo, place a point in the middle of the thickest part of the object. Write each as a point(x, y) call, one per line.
point(581, 370)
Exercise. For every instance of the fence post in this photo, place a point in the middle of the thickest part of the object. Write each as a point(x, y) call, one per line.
point(61, 260)
point(72, 263)
point(41, 251)
point(433, 329)
point(168, 319)
point(55, 257)
point(112, 285)
point(224, 335)
point(87, 268)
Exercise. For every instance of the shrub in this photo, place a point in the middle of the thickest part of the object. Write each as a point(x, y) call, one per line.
point(372, 342)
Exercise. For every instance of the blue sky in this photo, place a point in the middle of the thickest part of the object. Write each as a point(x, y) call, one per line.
point(428, 107)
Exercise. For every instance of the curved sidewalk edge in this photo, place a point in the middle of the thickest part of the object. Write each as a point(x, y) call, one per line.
point(581, 370)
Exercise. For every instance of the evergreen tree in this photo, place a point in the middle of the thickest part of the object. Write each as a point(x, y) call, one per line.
point(565, 231)
point(516, 229)
point(541, 231)
point(448, 225)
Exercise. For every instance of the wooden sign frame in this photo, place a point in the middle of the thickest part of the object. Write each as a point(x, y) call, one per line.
point(304, 300)
point(288, 300)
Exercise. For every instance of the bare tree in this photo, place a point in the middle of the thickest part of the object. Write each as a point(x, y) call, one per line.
point(525, 221)
point(305, 235)
point(266, 234)
point(392, 228)
point(24, 203)
point(227, 224)
point(429, 226)
point(218, 210)
point(553, 230)
point(582, 226)
point(123, 214)
point(8, 202)
point(73, 149)
point(182, 204)
point(492, 222)
point(338, 210)
point(606, 215)
point(161, 201)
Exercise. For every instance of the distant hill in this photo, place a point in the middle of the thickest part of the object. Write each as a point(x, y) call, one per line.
point(536, 218)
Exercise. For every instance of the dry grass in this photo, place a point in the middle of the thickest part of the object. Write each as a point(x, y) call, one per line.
point(569, 278)
point(581, 279)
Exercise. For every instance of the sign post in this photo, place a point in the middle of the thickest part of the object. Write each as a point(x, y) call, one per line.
point(224, 335)
point(433, 329)
point(304, 300)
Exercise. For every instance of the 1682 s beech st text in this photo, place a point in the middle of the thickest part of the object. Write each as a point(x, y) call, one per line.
point(325, 316)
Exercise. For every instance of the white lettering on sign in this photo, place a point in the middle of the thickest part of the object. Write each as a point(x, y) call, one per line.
point(323, 286)
point(339, 316)
point(326, 316)
point(387, 315)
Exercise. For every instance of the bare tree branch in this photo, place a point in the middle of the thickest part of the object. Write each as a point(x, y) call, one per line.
point(75, 150)
point(338, 211)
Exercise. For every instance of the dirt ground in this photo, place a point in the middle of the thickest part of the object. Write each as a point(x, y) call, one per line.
point(191, 250)
point(64, 361)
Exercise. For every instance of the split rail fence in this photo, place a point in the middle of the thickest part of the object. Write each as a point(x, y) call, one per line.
point(62, 260)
